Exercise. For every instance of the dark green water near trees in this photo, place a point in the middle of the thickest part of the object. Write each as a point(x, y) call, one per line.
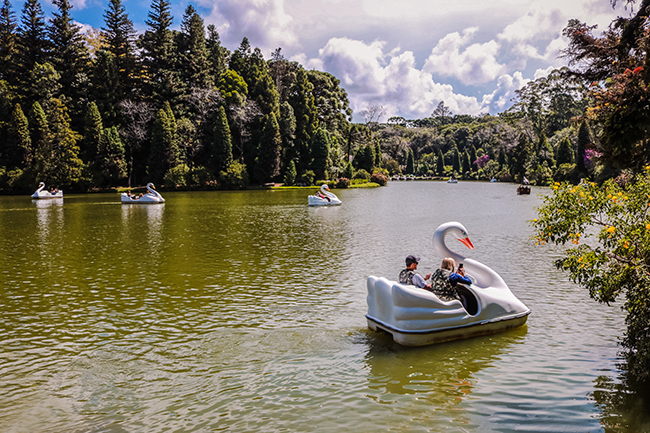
point(244, 311)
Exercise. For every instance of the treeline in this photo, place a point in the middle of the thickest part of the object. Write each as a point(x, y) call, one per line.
point(173, 107)
point(545, 136)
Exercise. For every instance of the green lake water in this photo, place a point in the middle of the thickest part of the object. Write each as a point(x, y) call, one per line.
point(244, 312)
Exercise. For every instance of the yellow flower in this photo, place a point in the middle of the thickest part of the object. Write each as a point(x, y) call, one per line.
point(611, 229)
point(647, 226)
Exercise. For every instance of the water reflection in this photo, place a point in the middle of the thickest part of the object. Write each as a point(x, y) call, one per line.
point(442, 374)
point(139, 219)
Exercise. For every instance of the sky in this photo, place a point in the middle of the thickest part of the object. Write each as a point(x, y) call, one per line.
point(406, 56)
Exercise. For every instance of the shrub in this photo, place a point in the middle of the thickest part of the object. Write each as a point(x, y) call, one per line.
point(176, 177)
point(343, 182)
point(290, 174)
point(234, 177)
point(307, 177)
point(361, 174)
point(566, 173)
point(379, 178)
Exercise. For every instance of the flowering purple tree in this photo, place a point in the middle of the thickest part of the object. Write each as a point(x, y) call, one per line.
point(482, 161)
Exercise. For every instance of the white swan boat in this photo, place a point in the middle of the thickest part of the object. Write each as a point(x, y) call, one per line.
point(417, 317)
point(324, 198)
point(452, 180)
point(39, 194)
point(152, 196)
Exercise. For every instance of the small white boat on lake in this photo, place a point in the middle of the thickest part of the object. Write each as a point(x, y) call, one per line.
point(41, 194)
point(452, 180)
point(151, 197)
point(417, 317)
point(323, 198)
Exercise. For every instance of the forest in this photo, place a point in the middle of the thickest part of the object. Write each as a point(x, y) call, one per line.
point(112, 108)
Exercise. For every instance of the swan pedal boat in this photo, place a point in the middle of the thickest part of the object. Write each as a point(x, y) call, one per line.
point(316, 200)
point(151, 197)
point(417, 317)
point(40, 194)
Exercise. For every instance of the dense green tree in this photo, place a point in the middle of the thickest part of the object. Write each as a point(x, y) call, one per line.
point(365, 158)
point(193, 53)
point(320, 152)
point(410, 162)
point(41, 141)
point(217, 54)
point(221, 154)
point(239, 59)
point(466, 164)
point(66, 164)
point(268, 160)
point(93, 128)
point(9, 45)
point(119, 37)
point(106, 86)
point(34, 44)
point(18, 150)
point(44, 83)
point(111, 155)
point(584, 141)
point(164, 153)
point(331, 101)
point(565, 152)
point(520, 155)
point(290, 174)
point(287, 125)
point(69, 52)
point(161, 82)
point(302, 101)
point(455, 162)
point(440, 163)
point(545, 151)
point(233, 88)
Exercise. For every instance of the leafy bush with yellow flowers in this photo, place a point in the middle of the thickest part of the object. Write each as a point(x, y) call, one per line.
point(607, 229)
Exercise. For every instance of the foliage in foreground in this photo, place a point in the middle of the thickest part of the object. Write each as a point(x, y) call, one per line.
point(609, 226)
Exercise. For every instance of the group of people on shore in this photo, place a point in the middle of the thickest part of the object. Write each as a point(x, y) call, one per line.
point(442, 282)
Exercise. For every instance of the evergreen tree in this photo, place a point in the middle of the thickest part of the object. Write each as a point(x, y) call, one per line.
point(111, 155)
point(331, 101)
point(66, 165)
point(379, 156)
point(106, 86)
point(92, 133)
point(69, 52)
point(239, 59)
point(440, 163)
point(221, 155)
point(472, 157)
point(320, 151)
point(290, 175)
point(520, 156)
point(41, 143)
point(565, 152)
point(8, 44)
point(545, 151)
point(455, 162)
point(19, 145)
point(161, 83)
point(302, 101)
point(466, 164)
point(410, 162)
point(119, 37)
point(34, 45)
point(217, 54)
point(44, 83)
point(287, 125)
point(584, 140)
point(193, 56)
point(164, 153)
point(268, 162)
point(365, 158)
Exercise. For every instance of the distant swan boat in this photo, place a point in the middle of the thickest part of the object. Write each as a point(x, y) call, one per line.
point(151, 197)
point(39, 194)
point(323, 198)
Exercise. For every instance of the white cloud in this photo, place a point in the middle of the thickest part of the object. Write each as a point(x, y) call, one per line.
point(264, 22)
point(391, 79)
point(475, 64)
point(500, 99)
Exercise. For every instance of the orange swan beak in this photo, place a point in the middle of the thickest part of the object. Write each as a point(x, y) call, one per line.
point(467, 243)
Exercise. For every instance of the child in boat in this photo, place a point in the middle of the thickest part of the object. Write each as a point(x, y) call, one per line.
point(444, 280)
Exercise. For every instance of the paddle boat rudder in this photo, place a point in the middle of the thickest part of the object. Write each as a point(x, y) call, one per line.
point(417, 317)
point(41, 193)
point(151, 197)
point(323, 198)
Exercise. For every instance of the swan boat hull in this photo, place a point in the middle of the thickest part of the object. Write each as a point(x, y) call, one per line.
point(146, 199)
point(416, 317)
point(317, 201)
point(47, 195)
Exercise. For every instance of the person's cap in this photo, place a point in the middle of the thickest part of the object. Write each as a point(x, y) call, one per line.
point(411, 259)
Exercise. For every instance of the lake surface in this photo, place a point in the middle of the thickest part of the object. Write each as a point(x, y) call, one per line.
point(244, 312)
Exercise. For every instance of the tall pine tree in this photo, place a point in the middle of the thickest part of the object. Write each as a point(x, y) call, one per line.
point(221, 154)
point(34, 44)
point(19, 144)
point(66, 165)
point(119, 37)
point(8, 44)
point(268, 161)
point(302, 101)
point(320, 153)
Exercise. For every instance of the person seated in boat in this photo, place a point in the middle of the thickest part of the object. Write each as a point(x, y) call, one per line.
point(409, 276)
point(525, 181)
point(323, 196)
point(444, 280)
